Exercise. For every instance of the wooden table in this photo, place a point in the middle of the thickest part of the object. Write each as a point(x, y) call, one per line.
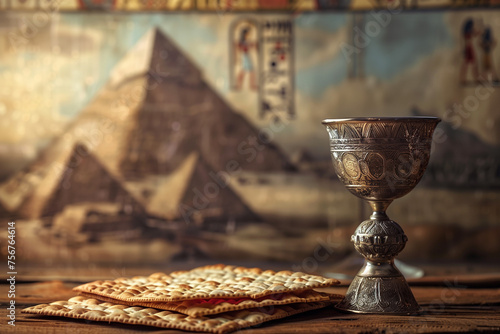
point(450, 303)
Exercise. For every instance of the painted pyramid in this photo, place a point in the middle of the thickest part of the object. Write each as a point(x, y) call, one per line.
point(155, 111)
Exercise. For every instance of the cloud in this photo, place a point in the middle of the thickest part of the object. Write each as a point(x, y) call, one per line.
point(315, 47)
point(42, 85)
point(407, 38)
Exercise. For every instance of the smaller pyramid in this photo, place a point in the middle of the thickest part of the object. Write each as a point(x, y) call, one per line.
point(463, 160)
point(4, 213)
point(86, 180)
point(209, 198)
point(194, 194)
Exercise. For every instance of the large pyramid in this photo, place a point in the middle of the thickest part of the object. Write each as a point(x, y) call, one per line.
point(181, 113)
point(155, 111)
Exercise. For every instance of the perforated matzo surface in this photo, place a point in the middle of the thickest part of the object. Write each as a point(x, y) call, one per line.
point(92, 309)
point(196, 307)
point(218, 281)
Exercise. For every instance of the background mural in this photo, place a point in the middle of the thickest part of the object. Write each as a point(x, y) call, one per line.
point(155, 137)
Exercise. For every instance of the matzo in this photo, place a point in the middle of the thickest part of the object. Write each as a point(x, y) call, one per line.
point(92, 309)
point(197, 307)
point(217, 281)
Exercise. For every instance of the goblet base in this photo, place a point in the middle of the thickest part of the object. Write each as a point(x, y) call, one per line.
point(379, 288)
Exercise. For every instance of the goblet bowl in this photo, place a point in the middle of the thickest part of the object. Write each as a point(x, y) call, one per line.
point(380, 158)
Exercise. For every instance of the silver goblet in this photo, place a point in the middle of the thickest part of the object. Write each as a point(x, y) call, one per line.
point(380, 159)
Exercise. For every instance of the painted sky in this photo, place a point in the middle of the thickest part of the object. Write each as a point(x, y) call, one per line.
point(64, 64)
point(408, 38)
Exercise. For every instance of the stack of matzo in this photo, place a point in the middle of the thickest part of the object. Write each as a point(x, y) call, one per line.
point(215, 299)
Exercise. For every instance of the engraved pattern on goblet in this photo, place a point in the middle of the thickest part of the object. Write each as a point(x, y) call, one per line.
point(379, 160)
point(391, 156)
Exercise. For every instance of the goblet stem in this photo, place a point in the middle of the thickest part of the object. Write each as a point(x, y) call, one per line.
point(379, 208)
point(379, 287)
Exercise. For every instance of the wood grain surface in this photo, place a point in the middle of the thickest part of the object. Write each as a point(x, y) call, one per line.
point(450, 303)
